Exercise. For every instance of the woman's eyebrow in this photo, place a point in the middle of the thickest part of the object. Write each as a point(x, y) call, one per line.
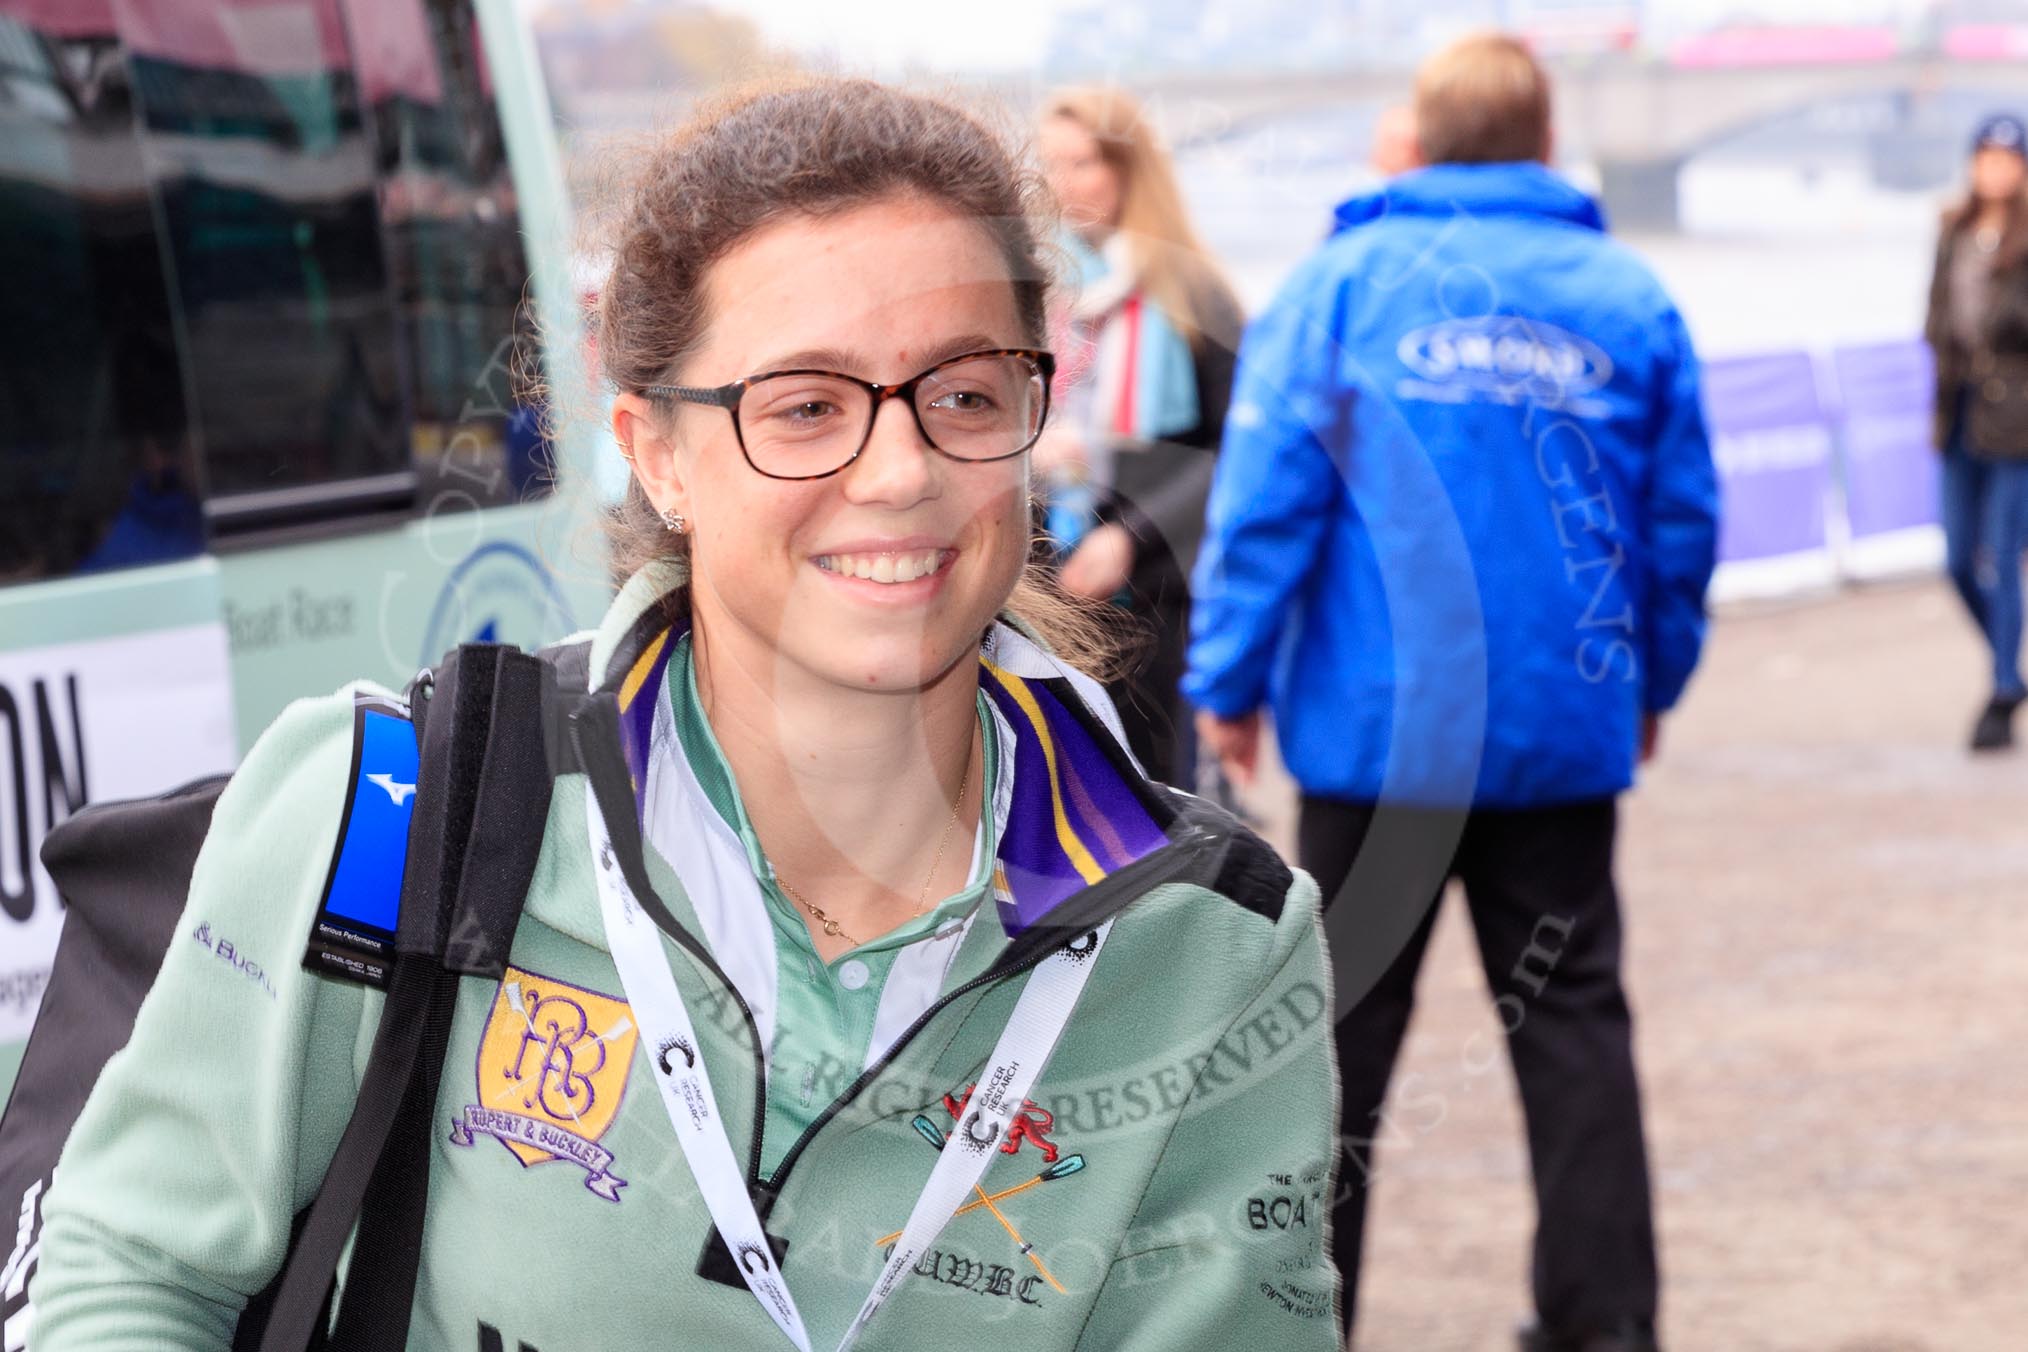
point(955, 347)
point(854, 364)
point(811, 358)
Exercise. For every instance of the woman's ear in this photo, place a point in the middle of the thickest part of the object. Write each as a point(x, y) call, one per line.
point(645, 439)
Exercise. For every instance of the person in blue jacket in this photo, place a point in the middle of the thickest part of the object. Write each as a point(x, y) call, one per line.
point(1458, 542)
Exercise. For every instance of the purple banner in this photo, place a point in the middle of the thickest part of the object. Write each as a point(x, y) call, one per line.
point(1771, 438)
point(1891, 467)
point(547, 1137)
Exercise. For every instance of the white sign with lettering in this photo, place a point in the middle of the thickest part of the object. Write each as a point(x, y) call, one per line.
point(90, 722)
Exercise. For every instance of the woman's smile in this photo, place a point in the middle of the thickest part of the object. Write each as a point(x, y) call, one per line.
point(891, 569)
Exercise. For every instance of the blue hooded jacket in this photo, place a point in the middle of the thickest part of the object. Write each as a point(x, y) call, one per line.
point(1465, 510)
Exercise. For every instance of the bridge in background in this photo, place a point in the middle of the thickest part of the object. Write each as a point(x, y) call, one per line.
point(1636, 120)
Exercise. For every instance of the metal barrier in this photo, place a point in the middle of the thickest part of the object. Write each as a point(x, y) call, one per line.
point(1825, 467)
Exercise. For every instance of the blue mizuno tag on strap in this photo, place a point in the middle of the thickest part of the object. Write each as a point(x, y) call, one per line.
point(353, 937)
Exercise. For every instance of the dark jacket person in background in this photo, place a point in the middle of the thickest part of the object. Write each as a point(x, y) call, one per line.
point(1459, 538)
point(1978, 327)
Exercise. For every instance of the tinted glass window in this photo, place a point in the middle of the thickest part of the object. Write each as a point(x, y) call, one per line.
point(251, 127)
point(97, 453)
point(453, 247)
point(264, 271)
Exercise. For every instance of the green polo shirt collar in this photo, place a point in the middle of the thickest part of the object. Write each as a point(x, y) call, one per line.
point(715, 777)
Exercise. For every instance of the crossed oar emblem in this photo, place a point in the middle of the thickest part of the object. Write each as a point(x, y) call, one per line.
point(1063, 1168)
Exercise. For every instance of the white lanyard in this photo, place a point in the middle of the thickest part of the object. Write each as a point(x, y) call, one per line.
point(1038, 1021)
point(1031, 1034)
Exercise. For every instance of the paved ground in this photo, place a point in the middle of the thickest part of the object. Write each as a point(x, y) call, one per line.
point(1827, 906)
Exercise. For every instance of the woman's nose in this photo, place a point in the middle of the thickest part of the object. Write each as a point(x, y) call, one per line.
point(898, 466)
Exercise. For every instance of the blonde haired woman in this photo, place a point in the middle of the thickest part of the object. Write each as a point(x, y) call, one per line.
point(1149, 342)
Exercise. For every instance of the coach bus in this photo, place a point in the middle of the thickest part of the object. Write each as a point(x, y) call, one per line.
point(270, 415)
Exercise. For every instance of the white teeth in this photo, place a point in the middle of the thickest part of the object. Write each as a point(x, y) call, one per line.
point(887, 568)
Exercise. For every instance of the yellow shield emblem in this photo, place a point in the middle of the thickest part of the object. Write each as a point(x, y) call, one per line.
point(553, 1063)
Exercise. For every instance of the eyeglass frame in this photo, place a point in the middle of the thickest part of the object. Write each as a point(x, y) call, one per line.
point(728, 397)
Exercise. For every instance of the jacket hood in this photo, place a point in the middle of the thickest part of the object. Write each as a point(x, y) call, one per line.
point(1521, 188)
point(637, 614)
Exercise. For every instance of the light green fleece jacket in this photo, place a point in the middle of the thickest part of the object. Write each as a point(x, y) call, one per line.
point(1195, 1082)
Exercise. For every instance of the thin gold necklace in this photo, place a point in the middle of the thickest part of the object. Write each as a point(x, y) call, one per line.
point(831, 927)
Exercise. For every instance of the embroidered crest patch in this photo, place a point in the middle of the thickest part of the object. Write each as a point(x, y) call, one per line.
point(1027, 1126)
point(553, 1063)
point(1030, 1124)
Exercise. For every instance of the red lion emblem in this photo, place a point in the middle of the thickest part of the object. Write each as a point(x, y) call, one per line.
point(1030, 1124)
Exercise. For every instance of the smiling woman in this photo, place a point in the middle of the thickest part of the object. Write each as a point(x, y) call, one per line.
point(841, 837)
point(737, 169)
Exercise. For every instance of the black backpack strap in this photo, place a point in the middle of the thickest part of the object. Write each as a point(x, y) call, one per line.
point(571, 661)
point(482, 796)
point(569, 666)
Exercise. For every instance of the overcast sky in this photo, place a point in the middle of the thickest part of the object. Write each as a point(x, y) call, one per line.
point(1009, 34)
point(885, 36)
point(890, 34)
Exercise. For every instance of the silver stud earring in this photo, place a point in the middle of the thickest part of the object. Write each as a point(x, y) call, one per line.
point(673, 520)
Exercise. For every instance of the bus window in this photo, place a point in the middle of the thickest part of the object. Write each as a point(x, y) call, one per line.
point(454, 250)
point(252, 130)
point(97, 465)
point(266, 276)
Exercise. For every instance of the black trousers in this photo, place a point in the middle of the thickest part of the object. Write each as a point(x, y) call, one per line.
point(1539, 885)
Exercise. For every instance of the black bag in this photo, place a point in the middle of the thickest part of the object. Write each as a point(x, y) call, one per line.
point(123, 870)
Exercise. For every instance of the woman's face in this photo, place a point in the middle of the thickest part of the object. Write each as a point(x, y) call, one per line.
point(881, 292)
point(1086, 186)
point(1997, 174)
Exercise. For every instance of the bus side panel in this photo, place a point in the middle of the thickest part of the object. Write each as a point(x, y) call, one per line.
point(305, 618)
point(114, 685)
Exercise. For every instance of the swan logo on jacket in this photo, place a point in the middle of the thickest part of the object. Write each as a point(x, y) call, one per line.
point(553, 1062)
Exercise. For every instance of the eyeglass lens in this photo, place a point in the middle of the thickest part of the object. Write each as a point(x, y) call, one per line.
point(980, 408)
